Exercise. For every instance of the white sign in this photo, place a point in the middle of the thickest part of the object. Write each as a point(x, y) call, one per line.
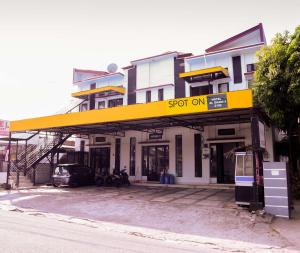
point(275, 172)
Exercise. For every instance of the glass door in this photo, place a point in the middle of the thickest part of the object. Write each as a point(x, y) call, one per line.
point(100, 159)
point(155, 159)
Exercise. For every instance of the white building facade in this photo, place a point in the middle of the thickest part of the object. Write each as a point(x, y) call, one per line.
point(194, 155)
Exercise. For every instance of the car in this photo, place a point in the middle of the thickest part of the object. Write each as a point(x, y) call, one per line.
point(72, 175)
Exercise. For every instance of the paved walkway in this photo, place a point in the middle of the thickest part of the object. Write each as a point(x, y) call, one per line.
point(208, 215)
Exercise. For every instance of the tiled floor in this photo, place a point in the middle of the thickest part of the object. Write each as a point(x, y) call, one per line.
point(204, 197)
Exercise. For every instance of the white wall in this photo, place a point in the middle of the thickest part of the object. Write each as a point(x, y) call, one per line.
point(223, 60)
point(169, 93)
point(155, 72)
point(210, 132)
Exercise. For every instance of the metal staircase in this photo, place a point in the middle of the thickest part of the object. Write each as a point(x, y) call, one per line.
point(26, 160)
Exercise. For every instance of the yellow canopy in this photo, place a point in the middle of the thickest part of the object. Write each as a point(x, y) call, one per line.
point(205, 71)
point(182, 106)
point(109, 89)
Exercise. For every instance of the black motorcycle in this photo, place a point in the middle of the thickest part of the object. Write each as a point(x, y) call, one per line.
point(124, 178)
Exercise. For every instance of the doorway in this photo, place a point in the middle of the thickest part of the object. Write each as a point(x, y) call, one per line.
point(100, 159)
point(155, 160)
point(222, 167)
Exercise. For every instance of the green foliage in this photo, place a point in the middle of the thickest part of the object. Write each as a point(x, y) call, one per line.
point(277, 80)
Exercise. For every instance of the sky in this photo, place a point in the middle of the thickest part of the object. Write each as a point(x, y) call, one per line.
point(42, 41)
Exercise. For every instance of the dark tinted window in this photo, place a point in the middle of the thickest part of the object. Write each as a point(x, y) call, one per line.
point(251, 67)
point(178, 155)
point(148, 96)
point(237, 69)
point(200, 90)
point(160, 94)
point(132, 156)
point(115, 102)
point(198, 155)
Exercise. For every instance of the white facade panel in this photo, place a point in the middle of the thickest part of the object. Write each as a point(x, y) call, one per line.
point(155, 73)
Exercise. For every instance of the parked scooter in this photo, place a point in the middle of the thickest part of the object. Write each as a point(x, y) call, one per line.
point(104, 178)
point(123, 176)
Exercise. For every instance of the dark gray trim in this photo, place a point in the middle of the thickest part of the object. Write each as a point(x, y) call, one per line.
point(179, 82)
point(131, 86)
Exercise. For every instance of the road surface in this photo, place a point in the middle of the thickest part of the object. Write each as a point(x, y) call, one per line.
point(23, 233)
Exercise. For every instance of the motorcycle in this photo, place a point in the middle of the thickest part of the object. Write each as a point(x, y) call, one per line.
point(123, 177)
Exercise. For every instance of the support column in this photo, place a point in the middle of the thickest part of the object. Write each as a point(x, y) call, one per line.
point(9, 158)
point(25, 158)
point(18, 172)
point(257, 199)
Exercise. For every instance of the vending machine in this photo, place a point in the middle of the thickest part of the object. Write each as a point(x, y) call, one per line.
point(244, 177)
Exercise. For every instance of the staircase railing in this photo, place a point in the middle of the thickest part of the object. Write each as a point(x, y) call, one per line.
point(36, 154)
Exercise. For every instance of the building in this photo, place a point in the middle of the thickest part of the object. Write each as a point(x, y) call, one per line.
point(173, 112)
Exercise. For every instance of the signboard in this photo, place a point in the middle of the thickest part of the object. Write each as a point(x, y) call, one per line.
point(262, 139)
point(217, 101)
point(4, 128)
point(155, 136)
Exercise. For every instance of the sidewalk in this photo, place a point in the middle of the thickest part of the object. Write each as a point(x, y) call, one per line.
point(290, 229)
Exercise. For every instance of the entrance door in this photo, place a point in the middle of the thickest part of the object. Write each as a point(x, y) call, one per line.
point(100, 159)
point(222, 167)
point(155, 159)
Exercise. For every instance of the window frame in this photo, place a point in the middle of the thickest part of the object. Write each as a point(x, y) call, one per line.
point(148, 96)
point(160, 94)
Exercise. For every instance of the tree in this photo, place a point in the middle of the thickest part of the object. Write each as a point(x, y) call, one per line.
point(277, 84)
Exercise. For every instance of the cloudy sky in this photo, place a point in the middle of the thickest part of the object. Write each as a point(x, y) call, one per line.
point(41, 41)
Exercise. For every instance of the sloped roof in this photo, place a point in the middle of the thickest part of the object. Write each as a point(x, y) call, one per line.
point(255, 32)
point(87, 73)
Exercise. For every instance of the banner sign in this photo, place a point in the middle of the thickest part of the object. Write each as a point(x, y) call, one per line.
point(155, 136)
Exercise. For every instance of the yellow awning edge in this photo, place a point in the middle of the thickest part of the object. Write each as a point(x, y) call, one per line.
point(117, 89)
point(206, 71)
point(182, 106)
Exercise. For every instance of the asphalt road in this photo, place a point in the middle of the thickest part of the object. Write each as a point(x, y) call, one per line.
point(23, 233)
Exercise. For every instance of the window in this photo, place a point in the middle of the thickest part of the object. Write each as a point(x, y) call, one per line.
point(198, 155)
point(82, 143)
point(115, 102)
point(148, 96)
point(93, 86)
point(160, 94)
point(223, 87)
point(178, 155)
point(251, 67)
point(132, 156)
point(200, 90)
point(237, 69)
point(101, 104)
point(83, 107)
